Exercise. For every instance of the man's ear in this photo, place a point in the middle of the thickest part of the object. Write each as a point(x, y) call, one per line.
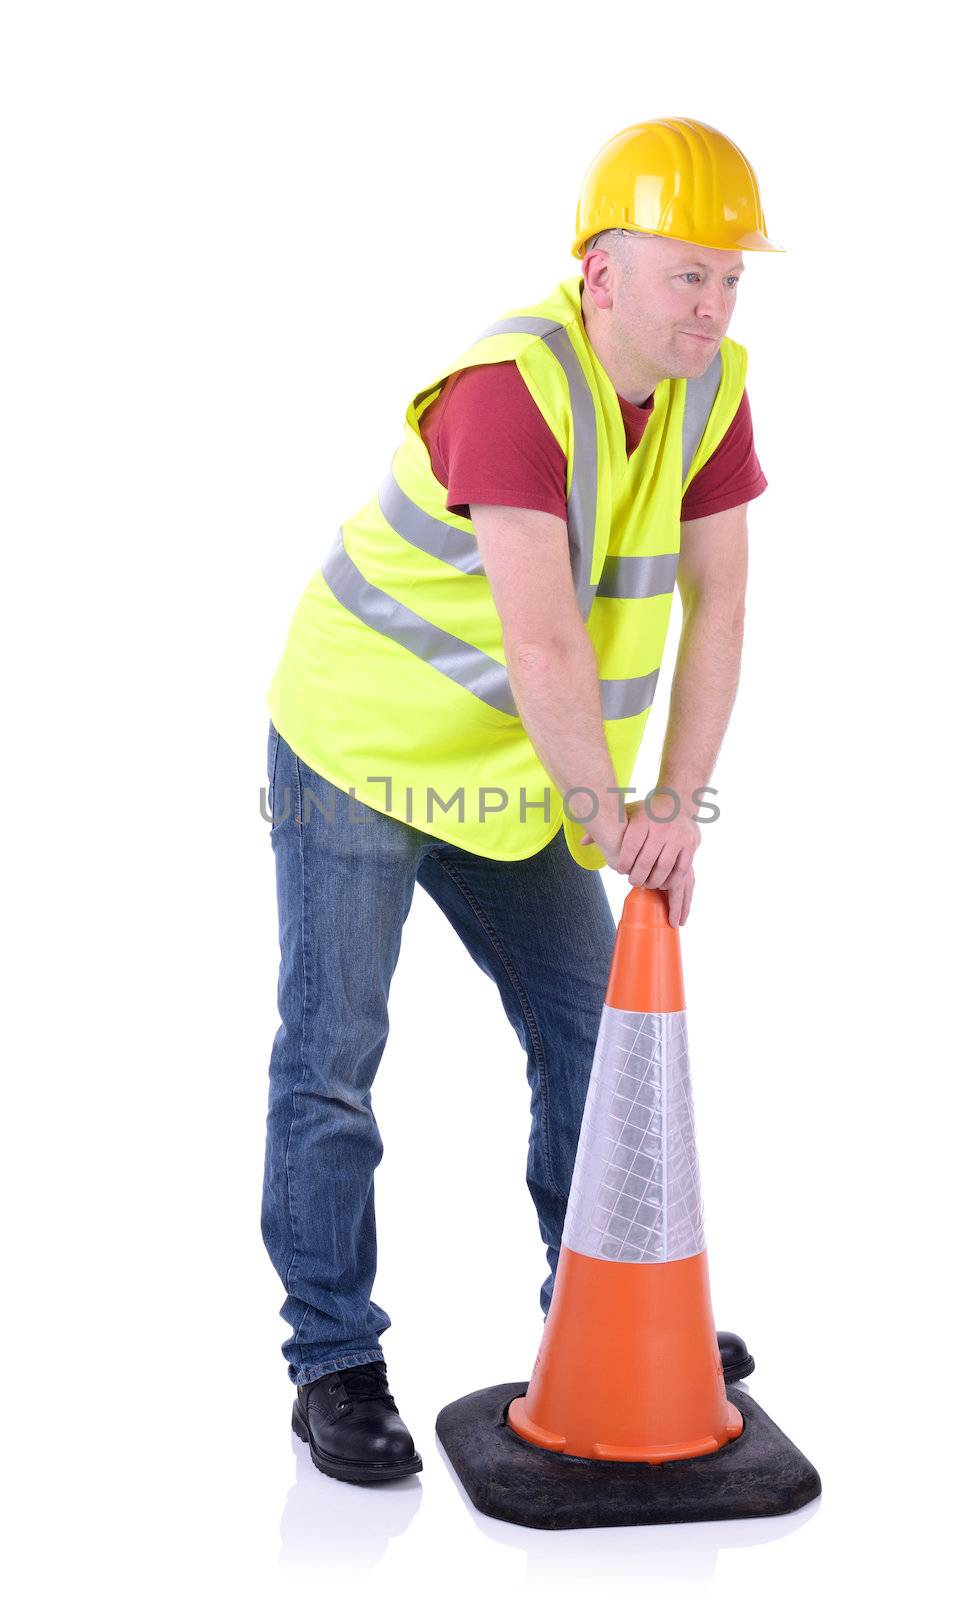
point(596, 267)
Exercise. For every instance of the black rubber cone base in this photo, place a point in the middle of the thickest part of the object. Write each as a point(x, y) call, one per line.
point(759, 1474)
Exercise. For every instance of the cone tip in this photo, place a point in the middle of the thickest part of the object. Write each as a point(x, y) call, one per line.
point(646, 908)
point(645, 974)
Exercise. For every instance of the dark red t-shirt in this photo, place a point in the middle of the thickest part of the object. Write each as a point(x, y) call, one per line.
point(490, 444)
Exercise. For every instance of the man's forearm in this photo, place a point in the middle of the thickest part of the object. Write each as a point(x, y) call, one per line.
point(557, 692)
point(702, 695)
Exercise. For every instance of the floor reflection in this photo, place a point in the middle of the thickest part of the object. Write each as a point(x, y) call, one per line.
point(346, 1527)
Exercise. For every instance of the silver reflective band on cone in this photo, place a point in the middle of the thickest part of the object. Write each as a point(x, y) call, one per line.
point(636, 1193)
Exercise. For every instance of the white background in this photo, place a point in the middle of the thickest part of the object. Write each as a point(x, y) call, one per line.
point(236, 239)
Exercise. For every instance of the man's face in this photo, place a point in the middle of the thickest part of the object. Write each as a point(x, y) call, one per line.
point(675, 306)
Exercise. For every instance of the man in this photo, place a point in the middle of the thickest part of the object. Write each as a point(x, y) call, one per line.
point(460, 703)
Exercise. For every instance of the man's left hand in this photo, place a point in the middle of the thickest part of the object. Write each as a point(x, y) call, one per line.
point(660, 854)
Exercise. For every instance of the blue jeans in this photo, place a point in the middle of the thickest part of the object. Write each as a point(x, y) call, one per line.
point(541, 928)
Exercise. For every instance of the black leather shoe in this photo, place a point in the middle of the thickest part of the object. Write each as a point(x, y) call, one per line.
point(353, 1427)
point(736, 1361)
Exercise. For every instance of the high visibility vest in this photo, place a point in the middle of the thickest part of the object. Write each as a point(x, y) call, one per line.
point(393, 681)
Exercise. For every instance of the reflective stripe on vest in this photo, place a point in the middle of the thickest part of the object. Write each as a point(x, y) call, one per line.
point(440, 539)
point(487, 679)
point(472, 668)
point(426, 532)
point(699, 397)
point(623, 577)
point(637, 577)
point(581, 505)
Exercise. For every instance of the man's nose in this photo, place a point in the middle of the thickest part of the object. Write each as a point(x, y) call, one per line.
point(714, 303)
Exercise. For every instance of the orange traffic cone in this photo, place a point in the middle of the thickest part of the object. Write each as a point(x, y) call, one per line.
point(626, 1418)
point(629, 1369)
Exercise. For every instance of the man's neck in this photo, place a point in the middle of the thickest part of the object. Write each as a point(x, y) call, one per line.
point(629, 384)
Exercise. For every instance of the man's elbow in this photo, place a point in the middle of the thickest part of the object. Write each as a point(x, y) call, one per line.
point(544, 651)
point(535, 656)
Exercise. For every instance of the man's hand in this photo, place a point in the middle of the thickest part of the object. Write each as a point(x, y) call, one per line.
point(658, 854)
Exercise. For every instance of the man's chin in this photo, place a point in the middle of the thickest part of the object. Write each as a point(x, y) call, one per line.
point(692, 364)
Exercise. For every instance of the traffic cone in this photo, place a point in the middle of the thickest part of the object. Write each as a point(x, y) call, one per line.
point(626, 1418)
point(629, 1368)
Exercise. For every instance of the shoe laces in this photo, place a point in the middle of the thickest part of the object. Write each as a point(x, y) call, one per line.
point(366, 1382)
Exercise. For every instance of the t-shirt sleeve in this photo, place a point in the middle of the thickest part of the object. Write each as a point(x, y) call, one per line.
point(489, 443)
point(731, 476)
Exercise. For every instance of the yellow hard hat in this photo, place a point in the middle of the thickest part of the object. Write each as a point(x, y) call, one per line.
point(678, 178)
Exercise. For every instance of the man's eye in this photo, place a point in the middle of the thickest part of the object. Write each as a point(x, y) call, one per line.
point(691, 274)
point(732, 282)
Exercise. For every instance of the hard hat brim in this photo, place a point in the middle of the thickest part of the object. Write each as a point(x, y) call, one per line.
point(753, 240)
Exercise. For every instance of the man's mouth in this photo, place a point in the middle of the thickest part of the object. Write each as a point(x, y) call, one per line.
point(706, 338)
